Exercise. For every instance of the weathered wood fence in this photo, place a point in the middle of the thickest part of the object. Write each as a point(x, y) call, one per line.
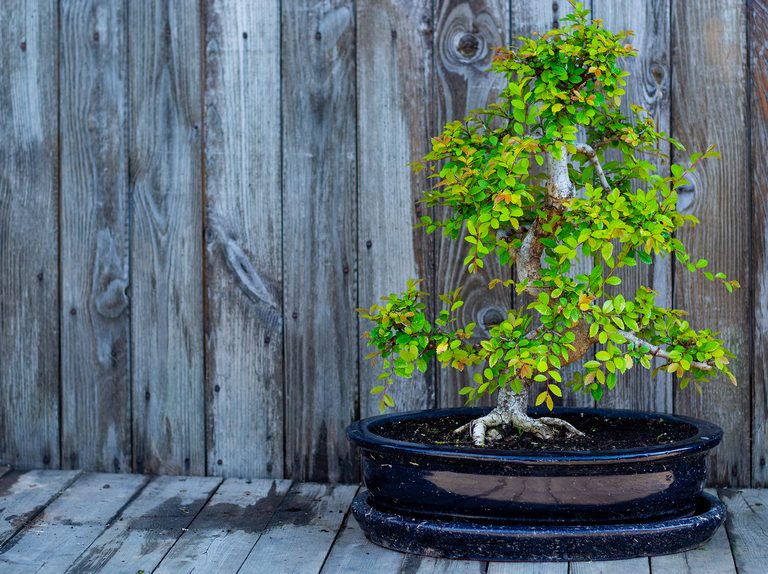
point(195, 195)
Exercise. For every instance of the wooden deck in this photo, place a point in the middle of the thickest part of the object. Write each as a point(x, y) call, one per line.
point(67, 521)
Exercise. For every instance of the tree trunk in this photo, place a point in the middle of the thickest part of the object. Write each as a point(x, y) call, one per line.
point(511, 410)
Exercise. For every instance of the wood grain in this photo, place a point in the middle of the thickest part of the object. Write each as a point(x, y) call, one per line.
point(55, 538)
point(244, 279)
point(634, 565)
point(758, 99)
point(394, 72)
point(164, 39)
point(747, 526)
point(302, 531)
point(24, 494)
point(224, 532)
point(648, 86)
point(29, 292)
point(527, 568)
point(709, 106)
point(352, 553)
point(148, 527)
point(95, 235)
point(319, 212)
point(465, 36)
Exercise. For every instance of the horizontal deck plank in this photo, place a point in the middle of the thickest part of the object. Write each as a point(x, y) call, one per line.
point(223, 534)
point(634, 565)
point(353, 553)
point(24, 494)
point(69, 524)
point(303, 529)
point(148, 527)
point(747, 526)
point(528, 568)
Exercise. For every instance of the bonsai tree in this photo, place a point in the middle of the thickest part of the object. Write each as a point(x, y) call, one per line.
point(526, 181)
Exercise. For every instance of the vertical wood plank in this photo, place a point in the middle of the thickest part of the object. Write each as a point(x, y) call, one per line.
point(709, 106)
point(95, 234)
point(393, 82)
point(648, 86)
point(466, 33)
point(166, 249)
point(29, 292)
point(244, 342)
point(758, 98)
point(318, 91)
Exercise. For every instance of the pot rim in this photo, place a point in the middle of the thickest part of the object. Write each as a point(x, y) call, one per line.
point(708, 436)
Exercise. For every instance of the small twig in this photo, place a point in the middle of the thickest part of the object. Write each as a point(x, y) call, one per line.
point(592, 156)
point(657, 351)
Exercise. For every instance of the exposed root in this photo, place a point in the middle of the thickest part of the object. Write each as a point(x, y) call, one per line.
point(486, 427)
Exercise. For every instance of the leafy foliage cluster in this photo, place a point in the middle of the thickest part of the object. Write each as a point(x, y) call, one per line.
point(492, 190)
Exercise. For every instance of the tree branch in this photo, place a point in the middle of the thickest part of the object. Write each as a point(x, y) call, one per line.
point(657, 351)
point(592, 156)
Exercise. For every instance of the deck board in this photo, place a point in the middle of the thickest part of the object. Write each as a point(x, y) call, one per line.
point(66, 521)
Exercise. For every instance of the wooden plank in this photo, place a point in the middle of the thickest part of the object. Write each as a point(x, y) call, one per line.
point(148, 527)
point(709, 103)
point(24, 494)
point(634, 565)
point(527, 568)
point(244, 342)
point(413, 564)
point(300, 534)
point(713, 558)
point(29, 330)
point(747, 526)
point(465, 37)
point(223, 534)
point(53, 540)
point(758, 99)
point(352, 553)
point(319, 212)
point(647, 86)
point(95, 318)
point(166, 274)
point(394, 68)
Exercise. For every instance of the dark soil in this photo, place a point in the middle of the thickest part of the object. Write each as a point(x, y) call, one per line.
point(602, 433)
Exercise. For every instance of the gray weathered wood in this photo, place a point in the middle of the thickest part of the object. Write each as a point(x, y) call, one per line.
point(244, 343)
point(708, 81)
point(352, 553)
point(413, 564)
point(527, 568)
point(166, 276)
point(747, 526)
point(55, 538)
point(647, 86)
point(758, 98)
point(319, 212)
point(393, 130)
point(635, 566)
point(4, 469)
point(465, 37)
point(29, 328)
point(224, 532)
point(95, 322)
point(148, 527)
point(24, 495)
point(302, 531)
point(713, 558)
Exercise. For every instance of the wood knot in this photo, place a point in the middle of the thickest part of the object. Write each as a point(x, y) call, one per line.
point(23, 46)
point(468, 45)
point(658, 74)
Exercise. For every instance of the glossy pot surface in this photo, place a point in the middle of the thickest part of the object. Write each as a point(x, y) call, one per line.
point(583, 487)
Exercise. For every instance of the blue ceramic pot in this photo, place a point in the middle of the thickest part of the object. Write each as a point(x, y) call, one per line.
point(579, 487)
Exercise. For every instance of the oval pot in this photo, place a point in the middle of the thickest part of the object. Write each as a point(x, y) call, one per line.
point(577, 487)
